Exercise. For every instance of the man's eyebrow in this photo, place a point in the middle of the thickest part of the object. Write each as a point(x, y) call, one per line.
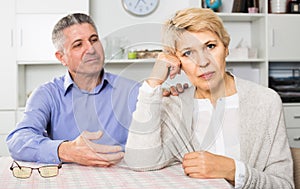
point(94, 35)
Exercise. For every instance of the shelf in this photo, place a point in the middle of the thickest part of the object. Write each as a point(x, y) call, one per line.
point(129, 61)
point(240, 17)
point(258, 60)
point(43, 62)
point(126, 61)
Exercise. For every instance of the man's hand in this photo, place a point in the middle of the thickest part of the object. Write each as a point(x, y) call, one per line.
point(175, 90)
point(83, 151)
point(207, 165)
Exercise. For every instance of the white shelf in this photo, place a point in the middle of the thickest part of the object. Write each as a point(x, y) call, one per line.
point(40, 62)
point(258, 60)
point(129, 61)
point(241, 17)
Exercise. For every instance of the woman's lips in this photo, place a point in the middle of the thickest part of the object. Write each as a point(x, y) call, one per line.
point(207, 75)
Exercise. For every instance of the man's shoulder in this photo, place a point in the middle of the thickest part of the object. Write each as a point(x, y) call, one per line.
point(118, 80)
point(57, 83)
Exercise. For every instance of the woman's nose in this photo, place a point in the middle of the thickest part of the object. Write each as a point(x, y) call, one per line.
point(203, 58)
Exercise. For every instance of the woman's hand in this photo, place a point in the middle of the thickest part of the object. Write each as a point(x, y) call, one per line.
point(207, 165)
point(166, 64)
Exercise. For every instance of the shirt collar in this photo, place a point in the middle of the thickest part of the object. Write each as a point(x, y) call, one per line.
point(106, 79)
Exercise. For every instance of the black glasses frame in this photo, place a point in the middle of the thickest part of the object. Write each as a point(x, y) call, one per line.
point(35, 168)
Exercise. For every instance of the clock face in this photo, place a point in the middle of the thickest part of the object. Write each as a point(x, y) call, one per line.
point(140, 7)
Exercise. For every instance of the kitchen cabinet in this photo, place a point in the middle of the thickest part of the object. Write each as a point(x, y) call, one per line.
point(34, 37)
point(8, 68)
point(284, 37)
point(35, 21)
point(292, 120)
point(8, 72)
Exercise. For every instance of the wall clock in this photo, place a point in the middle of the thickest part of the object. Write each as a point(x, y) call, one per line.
point(140, 7)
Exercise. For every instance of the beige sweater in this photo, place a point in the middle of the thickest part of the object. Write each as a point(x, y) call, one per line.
point(161, 133)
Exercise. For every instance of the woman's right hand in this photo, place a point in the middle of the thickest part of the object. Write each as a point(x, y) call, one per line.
point(165, 65)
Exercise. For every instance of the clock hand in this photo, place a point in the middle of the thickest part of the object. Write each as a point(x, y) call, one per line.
point(137, 4)
point(144, 1)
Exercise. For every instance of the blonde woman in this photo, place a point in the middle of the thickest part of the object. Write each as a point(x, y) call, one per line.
point(220, 127)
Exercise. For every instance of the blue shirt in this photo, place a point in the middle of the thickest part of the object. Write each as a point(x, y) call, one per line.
point(59, 111)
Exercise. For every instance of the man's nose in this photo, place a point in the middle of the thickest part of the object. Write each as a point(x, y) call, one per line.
point(89, 47)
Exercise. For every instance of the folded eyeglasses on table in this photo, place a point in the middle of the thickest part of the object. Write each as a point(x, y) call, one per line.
point(25, 172)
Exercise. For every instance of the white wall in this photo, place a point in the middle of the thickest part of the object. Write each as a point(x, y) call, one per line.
point(110, 15)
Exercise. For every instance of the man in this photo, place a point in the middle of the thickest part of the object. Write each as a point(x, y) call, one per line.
point(83, 116)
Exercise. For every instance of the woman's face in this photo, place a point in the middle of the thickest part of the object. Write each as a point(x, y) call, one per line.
point(202, 55)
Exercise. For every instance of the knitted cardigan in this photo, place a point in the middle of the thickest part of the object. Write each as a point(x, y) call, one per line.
point(161, 133)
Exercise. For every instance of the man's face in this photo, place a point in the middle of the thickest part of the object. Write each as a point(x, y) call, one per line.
point(82, 51)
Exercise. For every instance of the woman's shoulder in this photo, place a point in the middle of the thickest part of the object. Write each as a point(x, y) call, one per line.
point(257, 92)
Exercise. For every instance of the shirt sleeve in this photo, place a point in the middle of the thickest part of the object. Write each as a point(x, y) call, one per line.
point(30, 141)
point(239, 174)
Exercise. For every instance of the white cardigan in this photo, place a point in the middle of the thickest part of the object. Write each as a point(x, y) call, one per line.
point(161, 133)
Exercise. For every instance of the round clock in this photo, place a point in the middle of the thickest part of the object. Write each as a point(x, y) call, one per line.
point(140, 7)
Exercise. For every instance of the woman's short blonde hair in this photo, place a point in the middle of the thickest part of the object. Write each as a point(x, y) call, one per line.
point(193, 20)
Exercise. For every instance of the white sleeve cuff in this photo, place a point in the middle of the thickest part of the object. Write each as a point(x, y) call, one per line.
point(239, 174)
point(146, 88)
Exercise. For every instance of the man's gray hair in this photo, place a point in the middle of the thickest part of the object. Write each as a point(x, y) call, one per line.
point(68, 21)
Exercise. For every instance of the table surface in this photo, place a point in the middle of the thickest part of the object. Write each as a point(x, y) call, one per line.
point(76, 176)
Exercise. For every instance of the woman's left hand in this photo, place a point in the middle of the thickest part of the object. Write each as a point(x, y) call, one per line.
point(204, 164)
point(166, 64)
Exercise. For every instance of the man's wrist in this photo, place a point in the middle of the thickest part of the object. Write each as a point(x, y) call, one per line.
point(61, 151)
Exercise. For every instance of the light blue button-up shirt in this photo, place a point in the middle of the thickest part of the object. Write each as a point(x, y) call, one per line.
point(59, 111)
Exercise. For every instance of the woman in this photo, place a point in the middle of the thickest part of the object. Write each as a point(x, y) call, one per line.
point(222, 126)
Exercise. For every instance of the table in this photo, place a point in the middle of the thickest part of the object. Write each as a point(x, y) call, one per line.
point(83, 177)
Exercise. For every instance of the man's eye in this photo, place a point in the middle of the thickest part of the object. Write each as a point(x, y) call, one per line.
point(77, 45)
point(187, 53)
point(93, 40)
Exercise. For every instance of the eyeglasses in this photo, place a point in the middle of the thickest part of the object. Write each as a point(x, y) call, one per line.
point(25, 172)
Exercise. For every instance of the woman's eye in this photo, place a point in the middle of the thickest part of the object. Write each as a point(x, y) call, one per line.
point(187, 53)
point(211, 46)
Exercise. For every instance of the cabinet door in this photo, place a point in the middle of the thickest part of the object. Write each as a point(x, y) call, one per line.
point(284, 37)
point(35, 21)
point(34, 37)
point(8, 67)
